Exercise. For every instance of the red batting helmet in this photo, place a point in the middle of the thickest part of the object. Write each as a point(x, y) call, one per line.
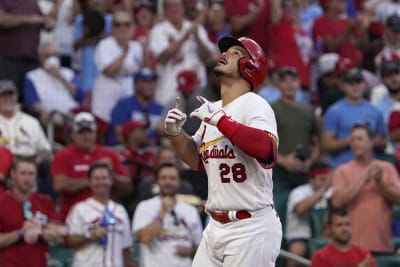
point(252, 68)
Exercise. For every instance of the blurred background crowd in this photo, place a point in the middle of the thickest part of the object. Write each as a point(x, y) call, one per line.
point(86, 82)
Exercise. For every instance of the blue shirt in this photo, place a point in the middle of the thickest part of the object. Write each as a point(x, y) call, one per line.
point(129, 108)
point(88, 70)
point(340, 119)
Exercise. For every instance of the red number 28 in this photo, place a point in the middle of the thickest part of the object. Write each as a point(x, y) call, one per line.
point(237, 172)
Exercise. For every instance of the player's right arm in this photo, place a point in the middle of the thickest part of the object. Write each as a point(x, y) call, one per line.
point(184, 145)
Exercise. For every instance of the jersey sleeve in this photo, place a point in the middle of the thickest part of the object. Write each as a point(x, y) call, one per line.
point(105, 54)
point(127, 235)
point(143, 216)
point(158, 41)
point(295, 197)
point(75, 222)
point(42, 142)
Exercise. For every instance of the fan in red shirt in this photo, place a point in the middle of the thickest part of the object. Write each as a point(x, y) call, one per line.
point(290, 44)
point(70, 165)
point(5, 165)
point(136, 153)
point(340, 253)
point(27, 220)
point(249, 18)
point(337, 33)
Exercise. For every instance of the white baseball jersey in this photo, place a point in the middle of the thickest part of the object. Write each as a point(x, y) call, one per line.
point(23, 135)
point(236, 181)
point(160, 38)
point(184, 229)
point(298, 226)
point(52, 93)
point(108, 90)
point(88, 213)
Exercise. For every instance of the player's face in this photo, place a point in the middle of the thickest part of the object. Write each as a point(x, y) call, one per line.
point(360, 142)
point(169, 181)
point(341, 228)
point(100, 182)
point(228, 64)
point(84, 139)
point(24, 177)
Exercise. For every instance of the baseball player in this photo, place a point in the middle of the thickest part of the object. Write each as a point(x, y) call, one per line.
point(236, 145)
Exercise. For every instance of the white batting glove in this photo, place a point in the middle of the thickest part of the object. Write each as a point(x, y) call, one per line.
point(174, 121)
point(206, 112)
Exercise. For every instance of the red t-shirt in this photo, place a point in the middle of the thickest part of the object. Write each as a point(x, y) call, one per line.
point(325, 26)
point(285, 48)
point(142, 156)
point(12, 218)
point(329, 256)
point(6, 160)
point(259, 28)
point(74, 163)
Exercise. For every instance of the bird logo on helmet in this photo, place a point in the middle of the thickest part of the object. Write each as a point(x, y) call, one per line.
point(252, 68)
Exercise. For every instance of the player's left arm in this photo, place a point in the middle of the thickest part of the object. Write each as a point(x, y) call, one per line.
point(255, 142)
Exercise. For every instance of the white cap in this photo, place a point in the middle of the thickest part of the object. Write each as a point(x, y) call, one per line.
point(327, 62)
point(84, 120)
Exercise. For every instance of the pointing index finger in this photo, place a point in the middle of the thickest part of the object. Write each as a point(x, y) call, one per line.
point(178, 102)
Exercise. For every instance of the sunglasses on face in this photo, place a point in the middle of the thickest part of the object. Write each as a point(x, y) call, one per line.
point(118, 24)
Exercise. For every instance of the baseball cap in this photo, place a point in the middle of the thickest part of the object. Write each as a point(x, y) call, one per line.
point(393, 23)
point(84, 120)
point(343, 64)
point(145, 74)
point(187, 81)
point(389, 67)
point(7, 86)
point(353, 75)
point(131, 125)
point(327, 63)
point(287, 71)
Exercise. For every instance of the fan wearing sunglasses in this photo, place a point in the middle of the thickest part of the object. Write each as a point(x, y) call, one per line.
point(27, 220)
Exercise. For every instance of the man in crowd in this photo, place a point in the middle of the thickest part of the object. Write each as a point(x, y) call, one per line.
point(70, 165)
point(341, 252)
point(169, 230)
point(99, 228)
point(26, 220)
point(368, 188)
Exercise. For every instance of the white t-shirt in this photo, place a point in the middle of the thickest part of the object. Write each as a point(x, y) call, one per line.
point(237, 181)
point(186, 229)
point(89, 213)
point(23, 135)
point(298, 226)
point(108, 90)
point(160, 38)
point(52, 93)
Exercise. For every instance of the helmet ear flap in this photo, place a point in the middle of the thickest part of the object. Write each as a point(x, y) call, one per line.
point(247, 68)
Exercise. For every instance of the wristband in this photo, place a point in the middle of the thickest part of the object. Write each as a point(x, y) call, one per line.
point(20, 234)
point(158, 219)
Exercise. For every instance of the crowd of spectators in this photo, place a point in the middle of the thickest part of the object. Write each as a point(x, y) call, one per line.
point(85, 85)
